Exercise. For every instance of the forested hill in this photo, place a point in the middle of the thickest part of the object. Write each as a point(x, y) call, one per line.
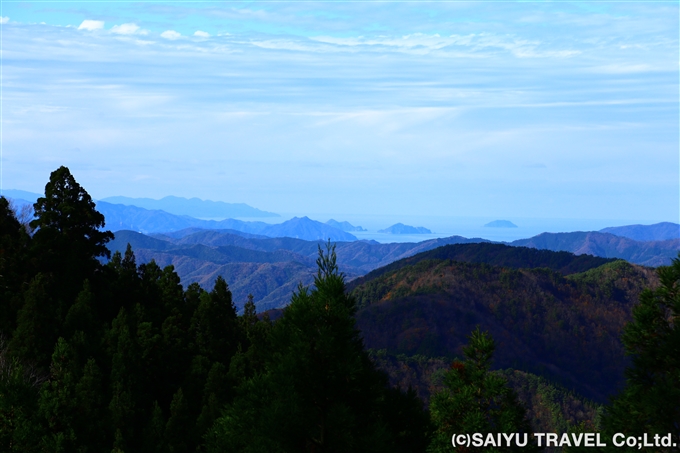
point(565, 328)
point(497, 255)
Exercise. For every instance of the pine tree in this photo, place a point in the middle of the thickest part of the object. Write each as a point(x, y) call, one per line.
point(125, 374)
point(214, 397)
point(249, 316)
point(68, 239)
point(213, 326)
point(477, 401)
point(154, 437)
point(178, 430)
point(36, 332)
point(80, 316)
point(58, 399)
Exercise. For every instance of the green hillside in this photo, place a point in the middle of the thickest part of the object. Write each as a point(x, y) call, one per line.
point(563, 327)
point(496, 255)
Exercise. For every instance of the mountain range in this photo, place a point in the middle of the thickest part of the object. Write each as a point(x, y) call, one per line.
point(272, 267)
point(193, 207)
point(649, 245)
point(123, 217)
point(269, 268)
point(662, 231)
point(607, 245)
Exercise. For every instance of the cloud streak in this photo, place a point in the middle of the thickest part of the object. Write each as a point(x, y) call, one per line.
point(91, 25)
point(128, 29)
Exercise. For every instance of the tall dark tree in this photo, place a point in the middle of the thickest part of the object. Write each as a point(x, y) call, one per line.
point(214, 324)
point(37, 331)
point(475, 400)
point(68, 237)
point(650, 402)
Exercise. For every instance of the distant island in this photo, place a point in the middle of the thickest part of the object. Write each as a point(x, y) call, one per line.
point(501, 224)
point(344, 226)
point(400, 228)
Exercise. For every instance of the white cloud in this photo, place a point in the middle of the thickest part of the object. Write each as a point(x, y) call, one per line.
point(622, 68)
point(421, 44)
point(91, 25)
point(127, 29)
point(171, 34)
point(202, 34)
point(4, 20)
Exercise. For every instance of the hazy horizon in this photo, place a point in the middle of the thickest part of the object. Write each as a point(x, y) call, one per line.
point(446, 226)
point(531, 110)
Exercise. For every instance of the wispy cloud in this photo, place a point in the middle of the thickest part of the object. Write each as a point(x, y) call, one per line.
point(624, 68)
point(421, 43)
point(171, 35)
point(4, 20)
point(128, 29)
point(91, 25)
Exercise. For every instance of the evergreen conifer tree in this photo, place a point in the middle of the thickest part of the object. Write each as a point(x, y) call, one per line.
point(477, 401)
point(68, 237)
point(36, 331)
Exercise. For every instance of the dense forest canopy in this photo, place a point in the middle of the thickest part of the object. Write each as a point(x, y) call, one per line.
point(107, 355)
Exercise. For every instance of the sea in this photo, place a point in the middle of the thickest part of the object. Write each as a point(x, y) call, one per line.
point(469, 227)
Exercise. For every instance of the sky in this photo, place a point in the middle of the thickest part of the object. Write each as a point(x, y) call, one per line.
point(565, 110)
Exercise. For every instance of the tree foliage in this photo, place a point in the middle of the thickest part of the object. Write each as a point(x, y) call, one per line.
point(477, 401)
point(317, 390)
point(650, 401)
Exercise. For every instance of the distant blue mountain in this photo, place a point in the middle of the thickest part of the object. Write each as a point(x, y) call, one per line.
point(308, 229)
point(193, 231)
point(400, 228)
point(194, 207)
point(21, 195)
point(122, 217)
point(658, 232)
point(606, 245)
point(344, 226)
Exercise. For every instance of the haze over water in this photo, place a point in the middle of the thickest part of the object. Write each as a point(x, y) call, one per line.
point(469, 227)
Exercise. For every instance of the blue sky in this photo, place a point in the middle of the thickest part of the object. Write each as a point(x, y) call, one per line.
point(501, 109)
